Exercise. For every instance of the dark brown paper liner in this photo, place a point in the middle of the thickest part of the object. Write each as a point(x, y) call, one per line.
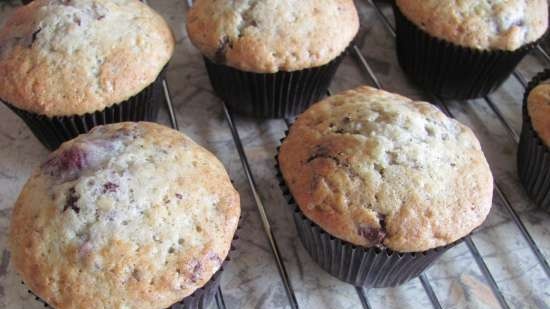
point(533, 155)
point(53, 131)
point(276, 95)
point(375, 267)
point(202, 297)
point(449, 70)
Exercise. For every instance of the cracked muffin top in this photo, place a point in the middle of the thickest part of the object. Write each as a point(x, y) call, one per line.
point(538, 107)
point(378, 169)
point(131, 215)
point(72, 57)
point(267, 36)
point(480, 24)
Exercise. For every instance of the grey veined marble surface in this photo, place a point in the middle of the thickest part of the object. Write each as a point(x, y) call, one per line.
point(251, 280)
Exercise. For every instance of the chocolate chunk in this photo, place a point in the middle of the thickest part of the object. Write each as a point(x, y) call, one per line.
point(382, 221)
point(224, 45)
point(98, 11)
point(519, 23)
point(320, 152)
point(196, 272)
point(109, 187)
point(340, 131)
point(137, 275)
point(214, 257)
point(34, 36)
point(179, 196)
point(72, 199)
point(373, 235)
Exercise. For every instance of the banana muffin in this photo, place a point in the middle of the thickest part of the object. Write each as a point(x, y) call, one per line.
point(533, 151)
point(378, 170)
point(130, 215)
point(271, 58)
point(466, 49)
point(538, 107)
point(68, 65)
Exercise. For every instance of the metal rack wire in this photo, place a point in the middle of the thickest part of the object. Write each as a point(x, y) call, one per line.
point(361, 292)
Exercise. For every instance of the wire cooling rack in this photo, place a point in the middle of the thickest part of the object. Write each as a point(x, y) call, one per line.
point(362, 294)
point(443, 105)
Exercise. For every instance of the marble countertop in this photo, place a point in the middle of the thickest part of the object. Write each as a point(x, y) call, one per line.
point(251, 280)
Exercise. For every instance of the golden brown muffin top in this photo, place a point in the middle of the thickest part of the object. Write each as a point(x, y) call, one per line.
point(375, 168)
point(267, 36)
point(130, 215)
point(538, 107)
point(72, 57)
point(480, 24)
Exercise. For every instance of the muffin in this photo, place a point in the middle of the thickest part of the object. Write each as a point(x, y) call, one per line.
point(384, 185)
point(533, 151)
point(466, 49)
point(67, 66)
point(130, 215)
point(271, 58)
